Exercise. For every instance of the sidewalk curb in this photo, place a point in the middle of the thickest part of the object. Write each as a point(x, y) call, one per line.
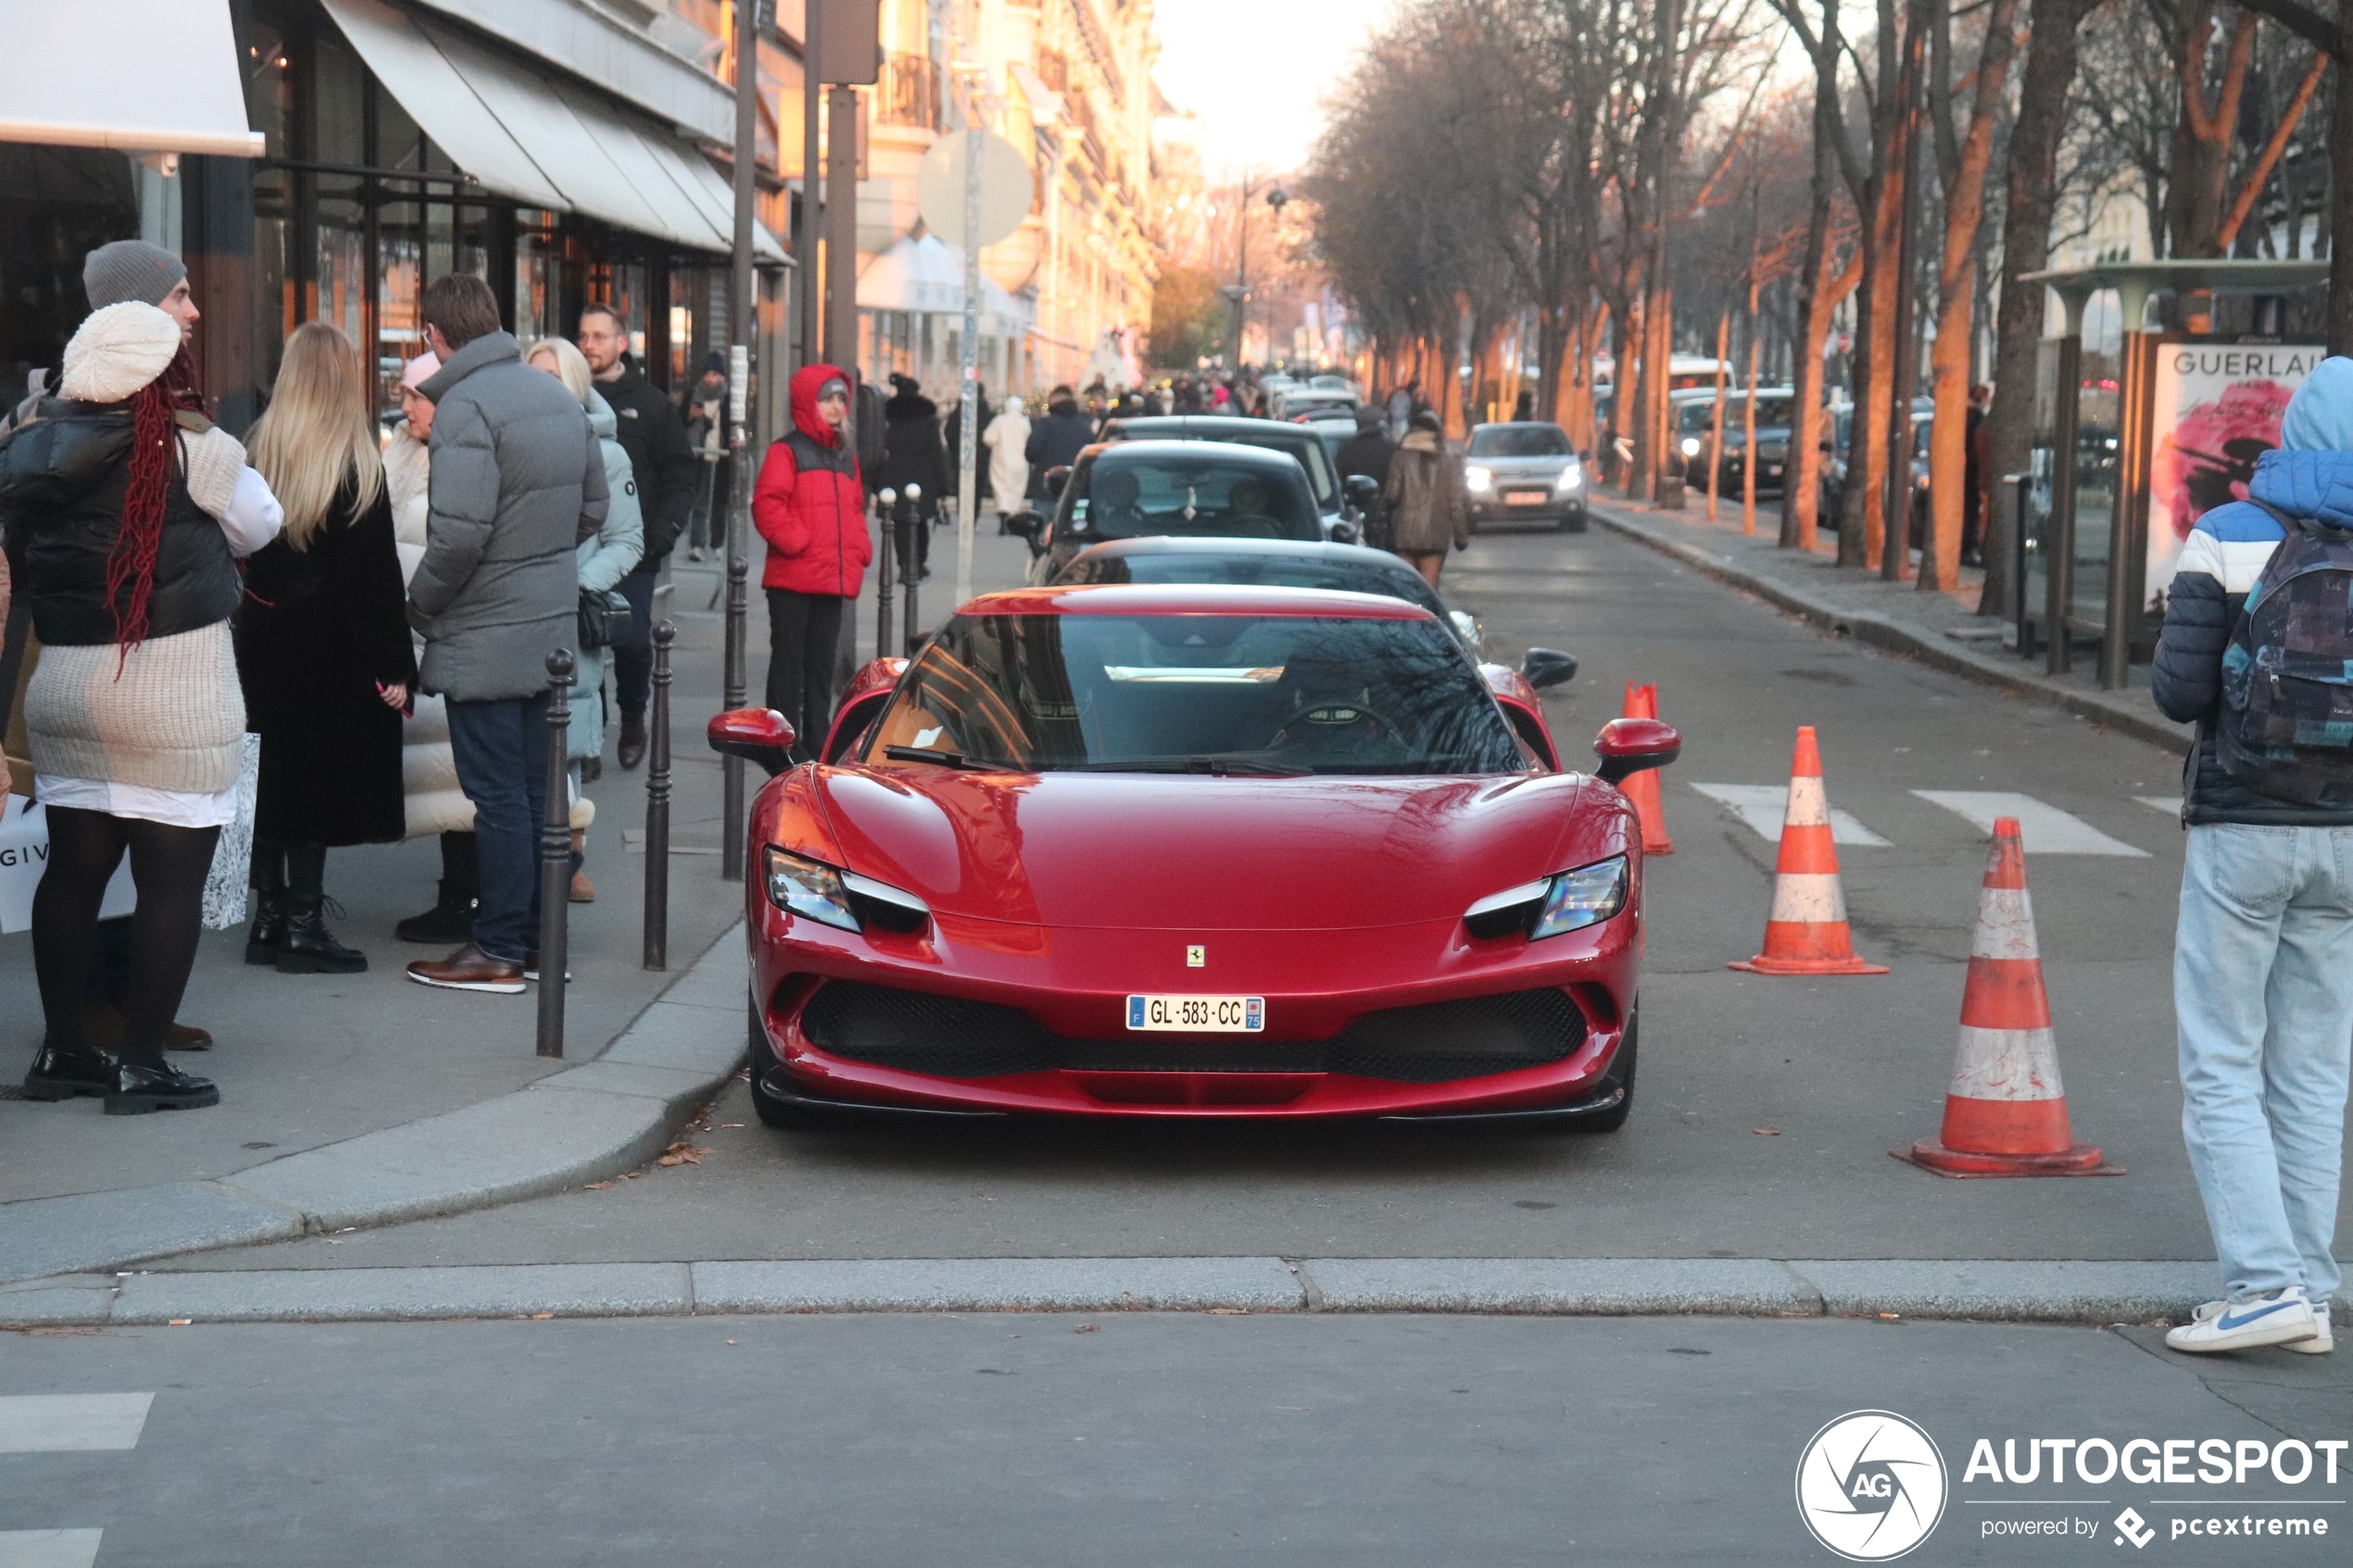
point(1992, 1290)
point(604, 1115)
point(1882, 631)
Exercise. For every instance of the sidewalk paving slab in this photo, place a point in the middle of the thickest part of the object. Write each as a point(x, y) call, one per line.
point(1893, 616)
point(609, 1114)
point(590, 1290)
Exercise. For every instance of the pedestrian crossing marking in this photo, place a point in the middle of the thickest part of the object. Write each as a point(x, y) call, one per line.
point(2169, 804)
point(2046, 829)
point(48, 1548)
point(51, 1423)
point(1763, 806)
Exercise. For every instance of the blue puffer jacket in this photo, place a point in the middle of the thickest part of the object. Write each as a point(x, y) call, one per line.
point(2310, 477)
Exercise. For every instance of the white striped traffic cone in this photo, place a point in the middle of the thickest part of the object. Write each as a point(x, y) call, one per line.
point(1806, 933)
point(2006, 1113)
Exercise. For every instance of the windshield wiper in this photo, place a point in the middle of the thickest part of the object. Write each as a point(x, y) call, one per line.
point(942, 759)
point(1220, 764)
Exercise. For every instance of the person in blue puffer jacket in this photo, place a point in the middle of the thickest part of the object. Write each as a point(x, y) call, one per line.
point(2263, 947)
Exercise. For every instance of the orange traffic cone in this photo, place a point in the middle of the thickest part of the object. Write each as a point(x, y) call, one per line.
point(2005, 1114)
point(1806, 933)
point(1641, 702)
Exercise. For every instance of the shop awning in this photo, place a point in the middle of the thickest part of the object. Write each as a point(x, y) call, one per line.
point(926, 275)
point(541, 142)
point(141, 76)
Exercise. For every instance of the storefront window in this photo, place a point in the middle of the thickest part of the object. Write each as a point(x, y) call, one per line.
point(539, 262)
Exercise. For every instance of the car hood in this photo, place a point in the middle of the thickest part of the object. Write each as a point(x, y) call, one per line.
point(1146, 851)
point(1545, 467)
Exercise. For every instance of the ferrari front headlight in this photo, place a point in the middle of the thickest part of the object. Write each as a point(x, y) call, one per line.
point(811, 888)
point(1587, 896)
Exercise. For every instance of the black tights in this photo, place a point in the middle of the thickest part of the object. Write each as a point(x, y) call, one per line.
point(168, 866)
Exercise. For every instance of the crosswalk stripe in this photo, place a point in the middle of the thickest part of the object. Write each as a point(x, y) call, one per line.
point(2046, 829)
point(1762, 806)
point(2169, 804)
point(48, 1548)
point(48, 1423)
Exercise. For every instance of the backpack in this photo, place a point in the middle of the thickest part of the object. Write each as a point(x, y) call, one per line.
point(2285, 728)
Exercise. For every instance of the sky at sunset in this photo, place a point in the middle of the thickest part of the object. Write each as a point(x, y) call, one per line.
point(1251, 71)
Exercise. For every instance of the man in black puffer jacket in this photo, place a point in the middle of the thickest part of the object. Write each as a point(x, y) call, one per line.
point(2263, 949)
point(1056, 440)
point(914, 453)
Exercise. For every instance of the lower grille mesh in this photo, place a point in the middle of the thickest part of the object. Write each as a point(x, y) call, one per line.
point(950, 1037)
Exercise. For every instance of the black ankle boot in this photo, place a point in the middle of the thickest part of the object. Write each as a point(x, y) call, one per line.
point(60, 1073)
point(451, 919)
point(269, 884)
point(305, 945)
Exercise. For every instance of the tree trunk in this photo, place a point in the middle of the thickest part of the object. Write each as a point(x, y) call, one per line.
point(1875, 344)
point(2026, 244)
point(2198, 187)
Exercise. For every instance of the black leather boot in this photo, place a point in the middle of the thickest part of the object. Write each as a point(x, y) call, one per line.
point(305, 945)
point(135, 1090)
point(59, 1073)
point(269, 884)
point(451, 919)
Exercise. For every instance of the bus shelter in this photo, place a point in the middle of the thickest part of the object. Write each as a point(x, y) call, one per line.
point(2130, 457)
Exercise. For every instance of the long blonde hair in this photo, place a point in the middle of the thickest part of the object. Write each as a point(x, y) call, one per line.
point(317, 432)
point(572, 366)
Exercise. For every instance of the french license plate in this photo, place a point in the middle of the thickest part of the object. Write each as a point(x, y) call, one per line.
point(1197, 1015)
point(1523, 497)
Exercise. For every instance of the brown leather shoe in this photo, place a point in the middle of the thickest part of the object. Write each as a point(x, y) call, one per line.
point(632, 750)
point(102, 1026)
point(186, 1037)
point(583, 890)
point(469, 969)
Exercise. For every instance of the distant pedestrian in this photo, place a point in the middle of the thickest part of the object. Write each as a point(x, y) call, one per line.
point(2263, 951)
point(126, 509)
point(516, 485)
point(1524, 406)
point(1368, 453)
point(431, 799)
point(1056, 440)
point(1400, 409)
point(1428, 512)
point(604, 561)
point(324, 650)
point(1007, 439)
point(953, 434)
point(668, 474)
point(915, 453)
point(1973, 496)
point(809, 506)
point(707, 435)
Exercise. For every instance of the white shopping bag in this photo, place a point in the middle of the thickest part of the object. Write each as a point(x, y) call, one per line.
point(24, 854)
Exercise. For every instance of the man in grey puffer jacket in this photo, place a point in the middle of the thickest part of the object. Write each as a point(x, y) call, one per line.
point(516, 484)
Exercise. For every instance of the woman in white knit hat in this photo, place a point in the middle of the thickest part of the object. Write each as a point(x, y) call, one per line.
point(128, 512)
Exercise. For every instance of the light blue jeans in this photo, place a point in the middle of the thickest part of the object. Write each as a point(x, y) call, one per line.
point(2264, 998)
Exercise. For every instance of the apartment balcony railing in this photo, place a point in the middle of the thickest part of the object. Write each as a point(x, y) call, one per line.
point(908, 91)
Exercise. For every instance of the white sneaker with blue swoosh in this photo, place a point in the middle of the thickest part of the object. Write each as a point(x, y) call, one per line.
point(2278, 1317)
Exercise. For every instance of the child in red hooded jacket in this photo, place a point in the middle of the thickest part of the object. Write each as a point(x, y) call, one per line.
point(811, 506)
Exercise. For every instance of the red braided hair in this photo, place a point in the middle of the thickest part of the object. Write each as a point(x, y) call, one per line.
point(131, 566)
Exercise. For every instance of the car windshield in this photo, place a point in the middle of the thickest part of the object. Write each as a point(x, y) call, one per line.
point(1121, 496)
point(1520, 441)
point(1355, 576)
point(1206, 693)
point(1302, 445)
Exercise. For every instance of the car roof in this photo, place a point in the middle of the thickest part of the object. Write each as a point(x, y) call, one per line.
point(1518, 424)
point(1177, 426)
point(1244, 456)
point(1193, 599)
point(1201, 545)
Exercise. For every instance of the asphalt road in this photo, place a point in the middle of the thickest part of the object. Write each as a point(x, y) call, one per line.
point(1766, 1107)
point(1134, 1438)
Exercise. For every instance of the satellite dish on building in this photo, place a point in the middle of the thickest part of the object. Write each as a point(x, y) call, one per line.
point(1004, 188)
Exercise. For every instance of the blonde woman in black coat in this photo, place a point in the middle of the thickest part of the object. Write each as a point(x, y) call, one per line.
point(323, 651)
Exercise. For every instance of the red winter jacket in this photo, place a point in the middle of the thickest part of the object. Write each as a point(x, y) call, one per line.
point(811, 503)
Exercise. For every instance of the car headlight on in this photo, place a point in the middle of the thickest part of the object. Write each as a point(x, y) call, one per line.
point(1478, 480)
point(1570, 901)
point(1690, 446)
point(1571, 478)
point(844, 900)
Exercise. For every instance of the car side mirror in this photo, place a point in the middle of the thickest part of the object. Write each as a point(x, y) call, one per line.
point(1362, 489)
point(1547, 667)
point(759, 736)
point(1345, 533)
point(1056, 478)
point(1628, 747)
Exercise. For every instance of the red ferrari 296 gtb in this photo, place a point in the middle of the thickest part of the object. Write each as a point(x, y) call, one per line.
point(1194, 850)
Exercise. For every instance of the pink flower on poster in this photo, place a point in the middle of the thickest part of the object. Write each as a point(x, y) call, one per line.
point(2210, 456)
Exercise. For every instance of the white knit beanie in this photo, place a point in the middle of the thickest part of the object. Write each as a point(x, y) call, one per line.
point(117, 350)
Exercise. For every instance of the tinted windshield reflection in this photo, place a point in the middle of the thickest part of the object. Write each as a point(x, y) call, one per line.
point(1520, 441)
point(1119, 496)
point(1197, 693)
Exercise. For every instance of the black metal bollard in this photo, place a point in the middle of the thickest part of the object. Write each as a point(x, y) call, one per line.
point(912, 503)
point(658, 805)
point(887, 526)
point(555, 859)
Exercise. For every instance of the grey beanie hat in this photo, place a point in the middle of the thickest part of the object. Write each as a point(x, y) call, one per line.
point(130, 269)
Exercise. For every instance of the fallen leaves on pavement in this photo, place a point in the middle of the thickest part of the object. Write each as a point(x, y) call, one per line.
point(1766, 1131)
point(682, 1153)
